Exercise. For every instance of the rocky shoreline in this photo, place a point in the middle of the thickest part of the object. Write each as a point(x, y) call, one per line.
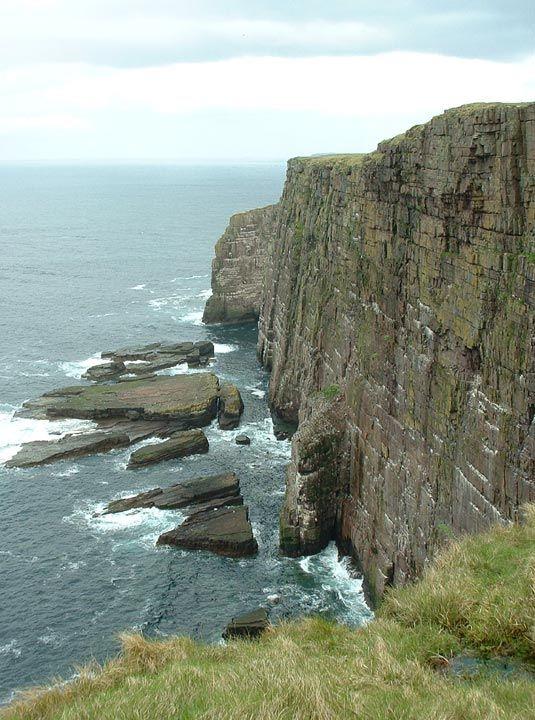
point(128, 409)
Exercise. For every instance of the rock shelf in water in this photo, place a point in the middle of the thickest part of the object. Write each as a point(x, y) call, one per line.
point(204, 490)
point(180, 444)
point(225, 531)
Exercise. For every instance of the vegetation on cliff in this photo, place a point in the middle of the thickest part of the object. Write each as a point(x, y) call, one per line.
point(478, 597)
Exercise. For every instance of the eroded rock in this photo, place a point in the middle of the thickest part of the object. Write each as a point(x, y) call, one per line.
point(230, 407)
point(42, 452)
point(180, 444)
point(225, 531)
point(184, 494)
point(248, 625)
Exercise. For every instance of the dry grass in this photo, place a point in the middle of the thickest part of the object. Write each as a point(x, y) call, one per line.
point(479, 595)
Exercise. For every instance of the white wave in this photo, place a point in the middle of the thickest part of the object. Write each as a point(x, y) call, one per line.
point(205, 294)
point(181, 369)
point(195, 317)
point(69, 472)
point(77, 368)
point(258, 393)
point(11, 648)
point(261, 434)
point(222, 348)
point(14, 431)
point(142, 286)
point(189, 277)
point(50, 637)
point(336, 579)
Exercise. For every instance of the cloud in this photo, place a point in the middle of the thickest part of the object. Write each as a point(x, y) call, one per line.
point(135, 33)
point(361, 86)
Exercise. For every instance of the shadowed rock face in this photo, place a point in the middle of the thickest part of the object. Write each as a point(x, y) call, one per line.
point(230, 407)
point(406, 279)
point(180, 444)
point(225, 531)
point(190, 492)
point(251, 624)
point(189, 400)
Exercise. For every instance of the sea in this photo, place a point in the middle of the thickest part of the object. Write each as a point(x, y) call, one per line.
point(94, 258)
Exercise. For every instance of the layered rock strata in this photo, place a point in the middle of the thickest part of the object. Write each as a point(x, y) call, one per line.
point(238, 268)
point(401, 291)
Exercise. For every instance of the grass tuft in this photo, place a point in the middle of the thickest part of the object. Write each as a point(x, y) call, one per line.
point(477, 597)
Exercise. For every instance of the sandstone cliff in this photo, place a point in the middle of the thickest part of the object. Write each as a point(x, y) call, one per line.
point(397, 319)
point(238, 268)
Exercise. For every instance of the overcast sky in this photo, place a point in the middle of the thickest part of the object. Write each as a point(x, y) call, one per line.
point(170, 80)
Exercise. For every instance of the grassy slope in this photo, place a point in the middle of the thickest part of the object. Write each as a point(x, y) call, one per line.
point(479, 595)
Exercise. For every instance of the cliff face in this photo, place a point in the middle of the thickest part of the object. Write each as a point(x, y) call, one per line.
point(238, 268)
point(398, 321)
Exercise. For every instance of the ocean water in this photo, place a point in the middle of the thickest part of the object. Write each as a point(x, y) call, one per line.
point(93, 258)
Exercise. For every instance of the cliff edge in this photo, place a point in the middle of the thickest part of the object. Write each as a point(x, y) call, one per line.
point(397, 319)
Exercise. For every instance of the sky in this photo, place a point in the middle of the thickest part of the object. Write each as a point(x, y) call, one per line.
point(256, 80)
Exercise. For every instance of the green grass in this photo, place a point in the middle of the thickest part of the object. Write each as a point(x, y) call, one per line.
point(479, 596)
point(330, 392)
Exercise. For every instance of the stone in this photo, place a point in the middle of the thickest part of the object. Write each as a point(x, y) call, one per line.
point(225, 531)
point(242, 440)
point(105, 371)
point(230, 407)
point(237, 269)
point(402, 282)
point(180, 444)
point(189, 400)
point(41, 452)
point(248, 625)
point(189, 492)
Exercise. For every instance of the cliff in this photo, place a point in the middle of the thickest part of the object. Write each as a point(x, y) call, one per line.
point(397, 318)
point(238, 268)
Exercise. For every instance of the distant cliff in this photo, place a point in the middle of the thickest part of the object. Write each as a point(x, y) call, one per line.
point(238, 267)
point(397, 306)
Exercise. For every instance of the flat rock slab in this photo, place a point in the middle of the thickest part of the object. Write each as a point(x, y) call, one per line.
point(226, 531)
point(69, 446)
point(190, 400)
point(251, 624)
point(180, 444)
point(189, 492)
point(230, 407)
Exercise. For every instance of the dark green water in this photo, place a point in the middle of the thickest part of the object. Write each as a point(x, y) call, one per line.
point(102, 257)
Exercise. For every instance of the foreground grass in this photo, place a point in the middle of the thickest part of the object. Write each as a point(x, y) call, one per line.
point(479, 596)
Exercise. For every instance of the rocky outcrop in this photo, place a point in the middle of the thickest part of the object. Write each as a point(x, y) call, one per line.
point(242, 254)
point(188, 400)
point(230, 407)
point(190, 492)
point(41, 452)
point(180, 444)
point(402, 287)
point(225, 531)
point(247, 625)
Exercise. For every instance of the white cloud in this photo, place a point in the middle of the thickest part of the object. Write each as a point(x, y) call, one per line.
point(363, 86)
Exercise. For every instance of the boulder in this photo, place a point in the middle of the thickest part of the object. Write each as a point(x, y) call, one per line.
point(41, 452)
point(190, 400)
point(190, 492)
point(242, 440)
point(230, 407)
point(225, 531)
point(205, 348)
point(249, 625)
point(105, 371)
point(180, 444)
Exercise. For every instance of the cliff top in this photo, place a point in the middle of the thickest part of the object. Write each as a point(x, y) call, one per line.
point(350, 160)
point(475, 601)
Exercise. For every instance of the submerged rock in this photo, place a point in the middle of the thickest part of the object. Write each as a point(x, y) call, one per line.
point(225, 531)
point(250, 624)
point(230, 407)
point(180, 444)
point(242, 440)
point(41, 452)
point(184, 494)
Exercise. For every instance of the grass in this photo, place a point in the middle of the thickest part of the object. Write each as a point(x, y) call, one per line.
point(478, 596)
